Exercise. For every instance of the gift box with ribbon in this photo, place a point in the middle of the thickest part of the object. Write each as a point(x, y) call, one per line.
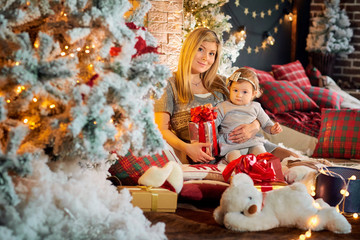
point(151, 199)
point(202, 127)
point(264, 169)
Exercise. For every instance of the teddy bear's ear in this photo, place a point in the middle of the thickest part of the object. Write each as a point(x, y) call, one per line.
point(241, 179)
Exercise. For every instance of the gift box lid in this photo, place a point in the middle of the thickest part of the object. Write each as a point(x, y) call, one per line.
point(152, 199)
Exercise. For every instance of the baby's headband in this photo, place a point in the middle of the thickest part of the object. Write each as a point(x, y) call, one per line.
point(236, 76)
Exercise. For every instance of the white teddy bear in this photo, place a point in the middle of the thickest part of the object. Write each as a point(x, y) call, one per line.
point(244, 208)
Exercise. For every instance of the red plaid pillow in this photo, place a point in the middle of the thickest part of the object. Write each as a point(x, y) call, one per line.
point(262, 75)
point(339, 134)
point(313, 74)
point(323, 97)
point(129, 168)
point(293, 72)
point(283, 96)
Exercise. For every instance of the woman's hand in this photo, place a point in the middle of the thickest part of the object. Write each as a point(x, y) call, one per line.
point(195, 152)
point(244, 132)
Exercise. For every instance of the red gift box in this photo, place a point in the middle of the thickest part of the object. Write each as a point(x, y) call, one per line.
point(264, 169)
point(202, 127)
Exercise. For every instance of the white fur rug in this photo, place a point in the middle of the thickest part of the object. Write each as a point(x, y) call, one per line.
point(73, 203)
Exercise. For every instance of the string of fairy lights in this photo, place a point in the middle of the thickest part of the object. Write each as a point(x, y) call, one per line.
point(85, 52)
point(268, 35)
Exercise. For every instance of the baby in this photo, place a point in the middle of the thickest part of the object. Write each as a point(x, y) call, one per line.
point(243, 86)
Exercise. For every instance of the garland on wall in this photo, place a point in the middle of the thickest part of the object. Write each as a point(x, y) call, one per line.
point(207, 13)
point(269, 34)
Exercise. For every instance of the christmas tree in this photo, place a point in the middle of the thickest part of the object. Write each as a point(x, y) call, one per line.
point(207, 13)
point(76, 82)
point(330, 31)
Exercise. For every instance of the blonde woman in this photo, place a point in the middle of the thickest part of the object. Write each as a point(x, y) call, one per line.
point(196, 83)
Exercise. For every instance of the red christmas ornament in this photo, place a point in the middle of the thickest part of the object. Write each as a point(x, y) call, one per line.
point(114, 51)
point(142, 48)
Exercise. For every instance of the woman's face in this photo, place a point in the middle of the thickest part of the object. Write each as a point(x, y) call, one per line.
point(204, 57)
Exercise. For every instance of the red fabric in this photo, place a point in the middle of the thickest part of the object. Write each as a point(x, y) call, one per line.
point(262, 75)
point(293, 72)
point(339, 134)
point(304, 122)
point(283, 96)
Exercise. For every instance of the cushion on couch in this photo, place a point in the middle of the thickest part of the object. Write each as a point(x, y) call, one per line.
point(283, 96)
point(339, 135)
point(323, 97)
point(262, 75)
point(293, 72)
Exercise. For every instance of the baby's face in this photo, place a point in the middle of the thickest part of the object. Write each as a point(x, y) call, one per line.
point(241, 93)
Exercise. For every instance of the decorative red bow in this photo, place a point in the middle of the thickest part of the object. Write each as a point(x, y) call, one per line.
point(258, 168)
point(202, 114)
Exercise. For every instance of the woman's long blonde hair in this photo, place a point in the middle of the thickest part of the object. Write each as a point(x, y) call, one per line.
point(211, 81)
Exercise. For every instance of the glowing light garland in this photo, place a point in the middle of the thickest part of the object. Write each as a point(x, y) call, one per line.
point(344, 192)
point(269, 39)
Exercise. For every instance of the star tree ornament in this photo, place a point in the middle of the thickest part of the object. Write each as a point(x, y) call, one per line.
point(77, 81)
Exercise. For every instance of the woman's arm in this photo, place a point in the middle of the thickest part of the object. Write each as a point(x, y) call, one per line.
point(244, 132)
point(194, 150)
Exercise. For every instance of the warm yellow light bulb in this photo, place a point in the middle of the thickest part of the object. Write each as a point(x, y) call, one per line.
point(65, 14)
point(8, 101)
point(91, 65)
point(36, 45)
point(87, 51)
point(95, 122)
point(62, 53)
point(26, 120)
point(28, 3)
point(78, 49)
point(302, 237)
point(34, 99)
point(308, 233)
point(87, 47)
point(342, 191)
point(17, 63)
point(355, 215)
point(66, 47)
point(72, 55)
point(313, 221)
point(353, 177)
point(312, 187)
point(18, 90)
point(22, 88)
point(93, 46)
point(52, 106)
point(313, 193)
point(111, 121)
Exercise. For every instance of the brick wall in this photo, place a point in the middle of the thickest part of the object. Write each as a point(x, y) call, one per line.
point(164, 21)
point(346, 70)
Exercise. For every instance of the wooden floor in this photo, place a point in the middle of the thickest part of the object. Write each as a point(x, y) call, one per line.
point(191, 222)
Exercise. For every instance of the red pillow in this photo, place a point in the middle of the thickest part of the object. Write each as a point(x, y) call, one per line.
point(129, 168)
point(325, 98)
point(283, 96)
point(293, 72)
point(313, 74)
point(209, 191)
point(262, 75)
point(339, 135)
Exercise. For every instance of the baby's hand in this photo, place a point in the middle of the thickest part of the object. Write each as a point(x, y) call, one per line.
point(276, 128)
